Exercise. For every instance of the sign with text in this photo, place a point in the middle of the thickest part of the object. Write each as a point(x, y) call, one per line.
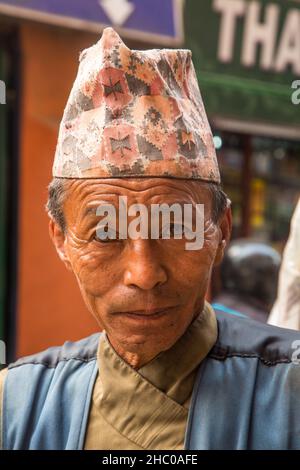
point(158, 21)
point(247, 55)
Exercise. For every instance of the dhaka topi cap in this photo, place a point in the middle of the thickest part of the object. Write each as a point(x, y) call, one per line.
point(135, 114)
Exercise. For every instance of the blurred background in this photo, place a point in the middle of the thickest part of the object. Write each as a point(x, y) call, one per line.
point(246, 54)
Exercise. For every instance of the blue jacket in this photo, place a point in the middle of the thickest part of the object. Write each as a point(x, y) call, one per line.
point(246, 394)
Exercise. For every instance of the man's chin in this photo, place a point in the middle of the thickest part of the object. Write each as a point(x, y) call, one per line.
point(143, 349)
point(142, 340)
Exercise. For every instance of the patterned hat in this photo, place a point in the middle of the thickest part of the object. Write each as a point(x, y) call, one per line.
point(135, 114)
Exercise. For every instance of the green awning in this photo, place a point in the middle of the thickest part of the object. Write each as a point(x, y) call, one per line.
point(247, 55)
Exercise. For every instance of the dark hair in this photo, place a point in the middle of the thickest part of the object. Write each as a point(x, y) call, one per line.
point(219, 200)
point(58, 189)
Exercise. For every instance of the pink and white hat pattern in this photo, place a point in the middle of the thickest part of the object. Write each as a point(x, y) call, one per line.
point(135, 114)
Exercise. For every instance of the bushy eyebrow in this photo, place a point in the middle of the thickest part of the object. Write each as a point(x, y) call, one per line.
point(90, 211)
point(92, 208)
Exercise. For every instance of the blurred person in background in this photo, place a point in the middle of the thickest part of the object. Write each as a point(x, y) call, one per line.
point(249, 276)
point(286, 310)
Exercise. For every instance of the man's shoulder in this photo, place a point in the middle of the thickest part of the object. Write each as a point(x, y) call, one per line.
point(83, 350)
point(244, 337)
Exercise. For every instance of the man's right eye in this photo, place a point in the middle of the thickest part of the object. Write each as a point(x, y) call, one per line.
point(106, 236)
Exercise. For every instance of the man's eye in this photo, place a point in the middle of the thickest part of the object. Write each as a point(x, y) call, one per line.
point(172, 230)
point(105, 235)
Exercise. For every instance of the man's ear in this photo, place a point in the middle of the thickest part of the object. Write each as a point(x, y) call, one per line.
point(59, 240)
point(225, 227)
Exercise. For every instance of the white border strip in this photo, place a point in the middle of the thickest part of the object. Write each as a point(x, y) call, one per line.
point(94, 27)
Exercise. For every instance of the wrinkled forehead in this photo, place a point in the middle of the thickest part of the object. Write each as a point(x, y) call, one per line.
point(84, 196)
point(137, 190)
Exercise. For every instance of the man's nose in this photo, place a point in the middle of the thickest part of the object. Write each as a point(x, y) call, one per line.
point(144, 268)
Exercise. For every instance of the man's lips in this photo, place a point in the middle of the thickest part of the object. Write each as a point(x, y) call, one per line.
point(153, 312)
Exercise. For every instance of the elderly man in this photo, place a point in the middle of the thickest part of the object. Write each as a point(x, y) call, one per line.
point(165, 373)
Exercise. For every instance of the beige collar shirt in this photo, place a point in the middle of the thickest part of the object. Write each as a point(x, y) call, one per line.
point(148, 408)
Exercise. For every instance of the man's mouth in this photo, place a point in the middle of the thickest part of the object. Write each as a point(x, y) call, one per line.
point(147, 313)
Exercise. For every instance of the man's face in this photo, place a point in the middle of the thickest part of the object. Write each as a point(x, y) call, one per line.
point(143, 292)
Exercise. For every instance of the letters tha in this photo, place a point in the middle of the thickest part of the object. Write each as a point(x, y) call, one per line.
point(279, 50)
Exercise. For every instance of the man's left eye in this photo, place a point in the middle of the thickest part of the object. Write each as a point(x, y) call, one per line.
point(172, 230)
